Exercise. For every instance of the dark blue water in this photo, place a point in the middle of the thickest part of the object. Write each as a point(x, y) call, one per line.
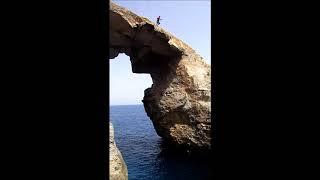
point(146, 155)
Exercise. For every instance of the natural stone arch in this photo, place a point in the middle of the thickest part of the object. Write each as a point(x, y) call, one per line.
point(179, 101)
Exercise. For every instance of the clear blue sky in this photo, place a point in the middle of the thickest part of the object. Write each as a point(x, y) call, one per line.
point(188, 20)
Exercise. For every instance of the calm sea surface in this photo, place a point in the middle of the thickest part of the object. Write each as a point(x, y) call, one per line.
point(146, 155)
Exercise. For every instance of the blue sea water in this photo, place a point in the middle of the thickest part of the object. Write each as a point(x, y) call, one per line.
point(147, 157)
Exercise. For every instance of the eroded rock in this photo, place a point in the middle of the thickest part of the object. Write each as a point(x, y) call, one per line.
point(118, 169)
point(179, 101)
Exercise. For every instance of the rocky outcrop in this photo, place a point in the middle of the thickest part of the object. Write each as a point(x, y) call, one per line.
point(179, 101)
point(118, 169)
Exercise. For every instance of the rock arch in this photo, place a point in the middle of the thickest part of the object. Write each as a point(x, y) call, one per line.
point(179, 100)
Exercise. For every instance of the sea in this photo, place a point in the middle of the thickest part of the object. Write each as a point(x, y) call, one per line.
point(146, 155)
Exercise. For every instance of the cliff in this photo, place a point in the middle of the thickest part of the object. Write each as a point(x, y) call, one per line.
point(179, 101)
point(118, 169)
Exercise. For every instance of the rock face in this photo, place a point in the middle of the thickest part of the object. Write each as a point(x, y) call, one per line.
point(118, 168)
point(179, 101)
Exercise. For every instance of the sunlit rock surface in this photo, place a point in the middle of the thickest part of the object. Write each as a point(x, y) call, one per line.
point(118, 169)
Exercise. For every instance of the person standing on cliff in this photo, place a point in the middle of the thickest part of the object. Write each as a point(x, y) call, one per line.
point(158, 20)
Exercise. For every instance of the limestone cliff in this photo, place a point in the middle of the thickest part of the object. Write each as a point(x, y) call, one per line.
point(179, 101)
point(118, 169)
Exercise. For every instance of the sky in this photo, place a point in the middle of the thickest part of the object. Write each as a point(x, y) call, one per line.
point(190, 21)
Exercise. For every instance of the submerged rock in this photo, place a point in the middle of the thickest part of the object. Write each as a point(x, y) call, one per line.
point(117, 166)
point(179, 101)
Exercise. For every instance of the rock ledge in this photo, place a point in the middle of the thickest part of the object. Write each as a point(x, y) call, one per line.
point(118, 168)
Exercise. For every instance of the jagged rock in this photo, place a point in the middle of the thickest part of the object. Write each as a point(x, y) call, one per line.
point(118, 169)
point(179, 101)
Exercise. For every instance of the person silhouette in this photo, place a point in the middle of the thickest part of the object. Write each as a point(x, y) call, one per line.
point(158, 20)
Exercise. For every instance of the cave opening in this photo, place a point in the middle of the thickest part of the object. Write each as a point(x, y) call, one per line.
point(134, 133)
point(126, 87)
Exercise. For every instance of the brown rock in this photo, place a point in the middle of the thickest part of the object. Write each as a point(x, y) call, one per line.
point(179, 101)
point(118, 169)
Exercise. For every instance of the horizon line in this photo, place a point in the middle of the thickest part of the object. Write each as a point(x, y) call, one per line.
point(124, 104)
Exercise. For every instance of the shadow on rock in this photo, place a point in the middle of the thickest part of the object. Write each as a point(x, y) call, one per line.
point(183, 164)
